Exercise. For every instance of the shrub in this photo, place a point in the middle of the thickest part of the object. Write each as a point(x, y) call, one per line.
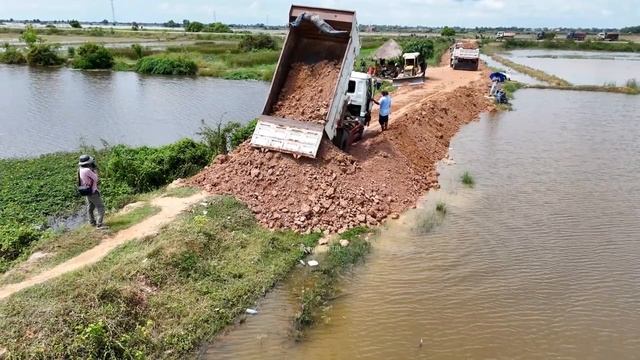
point(71, 51)
point(29, 36)
point(257, 42)
point(223, 139)
point(75, 24)
point(423, 46)
point(43, 55)
point(217, 27)
point(14, 239)
point(194, 26)
point(447, 31)
point(167, 65)
point(138, 50)
point(146, 168)
point(93, 56)
point(632, 83)
point(467, 179)
point(11, 55)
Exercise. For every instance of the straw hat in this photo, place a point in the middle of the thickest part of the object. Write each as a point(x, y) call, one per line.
point(85, 160)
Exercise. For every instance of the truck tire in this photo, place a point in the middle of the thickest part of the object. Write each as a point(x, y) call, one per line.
point(343, 142)
point(360, 134)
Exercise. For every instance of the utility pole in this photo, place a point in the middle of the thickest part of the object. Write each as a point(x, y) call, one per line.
point(113, 13)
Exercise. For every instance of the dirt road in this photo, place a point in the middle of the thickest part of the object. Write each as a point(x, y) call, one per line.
point(170, 208)
point(382, 174)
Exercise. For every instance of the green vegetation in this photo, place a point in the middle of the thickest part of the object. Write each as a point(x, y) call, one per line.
point(93, 56)
point(431, 49)
point(427, 220)
point(194, 26)
point(386, 86)
point(167, 65)
point(631, 30)
point(257, 42)
point(467, 179)
point(610, 88)
point(217, 27)
point(11, 55)
point(441, 207)
point(321, 285)
point(138, 50)
point(43, 55)
point(75, 24)
point(156, 298)
point(447, 31)
point(223, 139)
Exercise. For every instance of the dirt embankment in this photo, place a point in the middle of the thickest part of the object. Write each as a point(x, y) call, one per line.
point(307, 91)
point(384, 174)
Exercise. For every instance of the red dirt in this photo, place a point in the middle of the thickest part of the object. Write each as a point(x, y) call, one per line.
point(307, 92)
point(385, 173)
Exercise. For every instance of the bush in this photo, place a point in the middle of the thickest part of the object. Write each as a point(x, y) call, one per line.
point(43, 55)
point(11, 55)
point(93, 56)
point(447, 31)
point(14, 239)
point(145, 168)
point(75, 24)
point(257, 42)
point(71, 51)
point(194, 27)
point(217, 27)
point(167, 65)
point(423, 46)
point(138, 50)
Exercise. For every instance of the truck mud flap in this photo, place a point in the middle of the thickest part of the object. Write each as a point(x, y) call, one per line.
point(286, 135)
point(408, 81)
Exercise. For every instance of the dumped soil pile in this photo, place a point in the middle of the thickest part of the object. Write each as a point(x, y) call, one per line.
point(384, 174)
point(307, 91)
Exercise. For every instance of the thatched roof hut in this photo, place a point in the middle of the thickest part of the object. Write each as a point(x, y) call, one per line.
point(389, 50)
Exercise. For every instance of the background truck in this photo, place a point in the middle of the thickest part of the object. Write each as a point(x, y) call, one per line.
point(577, 36)
point(501, 35)
point(605, 36)
point(465, 56)
point(315, 35)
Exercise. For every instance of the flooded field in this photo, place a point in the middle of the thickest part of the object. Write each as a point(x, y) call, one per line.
point(582, 67)
point(539, 260)
point(49, 110)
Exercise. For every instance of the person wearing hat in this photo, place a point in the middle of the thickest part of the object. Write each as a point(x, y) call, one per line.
point(88, 178)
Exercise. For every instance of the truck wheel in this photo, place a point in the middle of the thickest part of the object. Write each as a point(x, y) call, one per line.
point(360, 133)
point(344, 140)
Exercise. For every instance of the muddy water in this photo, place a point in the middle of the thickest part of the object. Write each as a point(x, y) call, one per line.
point(48, 110)
point(540, 260)
point(582, 67)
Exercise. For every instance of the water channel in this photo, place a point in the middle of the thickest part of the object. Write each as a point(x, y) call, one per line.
point(582, 67)
point(49, 110)
point(539, 260)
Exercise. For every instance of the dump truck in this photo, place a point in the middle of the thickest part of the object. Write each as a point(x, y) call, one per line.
point(316, 35)
point(577, 36)
point(501, 35)
point(465, 56)
point(413, 70)
point(606, 36)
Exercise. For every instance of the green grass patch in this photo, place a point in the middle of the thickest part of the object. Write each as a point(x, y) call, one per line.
point(155, 298)
point(123, 221)
point(167, 65)
point(441, 207)
point(537, 74)
point(467, 179)
point(560, 44)
point(321, 285)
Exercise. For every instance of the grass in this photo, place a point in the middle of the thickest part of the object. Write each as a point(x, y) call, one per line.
point(467, 179)
point(181, 192)
point(537, 74)
point(321, 285)
point(163, 64)
point(441, 207)
point(610, 88)
point(561, 44)
point(62, 246)
point(155, 298)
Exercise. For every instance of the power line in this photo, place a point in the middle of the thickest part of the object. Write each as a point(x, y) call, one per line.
point(113, 13)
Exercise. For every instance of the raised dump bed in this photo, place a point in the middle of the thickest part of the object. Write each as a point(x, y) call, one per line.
point(308, 93)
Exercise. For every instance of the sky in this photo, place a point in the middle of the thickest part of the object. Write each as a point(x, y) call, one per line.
point(431, 13)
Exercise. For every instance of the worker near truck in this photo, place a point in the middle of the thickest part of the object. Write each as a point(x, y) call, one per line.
point(385, 110)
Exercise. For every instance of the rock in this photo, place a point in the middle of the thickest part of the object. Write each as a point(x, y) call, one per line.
point(323, 241)
point(305, 209)
point(395, 216)
point(176, 183)
point(255, 173)
point(251, 311)
point(312, 263)
point(330, 191)
point(361, 218)
point(344, 242)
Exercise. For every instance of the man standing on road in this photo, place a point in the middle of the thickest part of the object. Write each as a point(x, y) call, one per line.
point(385, 109)
point(88, 178)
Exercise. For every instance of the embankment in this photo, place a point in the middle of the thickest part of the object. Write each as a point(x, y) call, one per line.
point(383, 174)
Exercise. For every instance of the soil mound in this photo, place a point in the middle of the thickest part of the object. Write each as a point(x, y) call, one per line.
point(385, 173)
point(307, 91)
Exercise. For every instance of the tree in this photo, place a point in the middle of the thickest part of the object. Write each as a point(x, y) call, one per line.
point(75, 24)
point(185, 23)
point(194, 27)
point(104, 22)
point(138, 50)
point(217, 27)
point(135, 26)
point(447, 31)
point(29, 36)
point(93, 56)
point(43, 55)
point(171, 24)
point(423, 46)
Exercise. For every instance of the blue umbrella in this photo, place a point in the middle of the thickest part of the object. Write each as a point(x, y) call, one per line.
point(498, 76)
